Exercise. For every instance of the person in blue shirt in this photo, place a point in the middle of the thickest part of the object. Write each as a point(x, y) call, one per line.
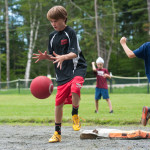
point(142, 52)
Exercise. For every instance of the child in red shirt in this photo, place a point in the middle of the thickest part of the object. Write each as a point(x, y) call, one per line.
point(101, 85)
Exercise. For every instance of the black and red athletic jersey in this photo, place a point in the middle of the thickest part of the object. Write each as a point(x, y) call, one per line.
point(64, 42)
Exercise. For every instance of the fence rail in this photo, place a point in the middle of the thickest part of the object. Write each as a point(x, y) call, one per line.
point(114, 82)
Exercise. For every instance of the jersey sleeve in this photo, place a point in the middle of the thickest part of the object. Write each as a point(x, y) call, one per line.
point(50, 49)
point(144, 53)
point(95, 72)
point(107, 72)
point(73, 43)
point(140, 52)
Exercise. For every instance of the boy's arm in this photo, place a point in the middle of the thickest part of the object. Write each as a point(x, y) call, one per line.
point(42, 56)
point(60, 58)
point(71, 55)
point(107, 76)
point(128, 52)
point(93, 66)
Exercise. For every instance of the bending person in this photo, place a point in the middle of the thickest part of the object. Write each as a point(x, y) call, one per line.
point(142, 52)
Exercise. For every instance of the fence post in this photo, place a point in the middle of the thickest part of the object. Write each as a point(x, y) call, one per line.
point(111, 90)
point(19, 85)
point(148, 87)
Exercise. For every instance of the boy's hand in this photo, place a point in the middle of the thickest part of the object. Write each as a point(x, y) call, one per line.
point(93, 66)
point(123, 40)
point(93, 63)
point(42, 56)
point(58, 59)
point(106, 75)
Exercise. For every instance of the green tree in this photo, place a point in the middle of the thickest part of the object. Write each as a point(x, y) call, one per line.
point(130, 20)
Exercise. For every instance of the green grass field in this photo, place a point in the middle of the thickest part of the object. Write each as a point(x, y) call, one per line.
point(25, 109)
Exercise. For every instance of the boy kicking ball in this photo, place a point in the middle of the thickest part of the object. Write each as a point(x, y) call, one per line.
point(142, 52)
point(70, 67)
point(102, 75)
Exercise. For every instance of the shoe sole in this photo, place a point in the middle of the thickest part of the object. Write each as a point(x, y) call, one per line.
point(54, 142)
point(144, 114)
point(76, 129)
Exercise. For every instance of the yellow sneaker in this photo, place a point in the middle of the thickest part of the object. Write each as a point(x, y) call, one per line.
point(76, 123)
point(55, 138)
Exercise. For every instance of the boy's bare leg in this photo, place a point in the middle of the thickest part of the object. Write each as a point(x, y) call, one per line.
point(96, 105)
point(58, 113)
point(109, 104)
point(75, 99)
point(58, 119)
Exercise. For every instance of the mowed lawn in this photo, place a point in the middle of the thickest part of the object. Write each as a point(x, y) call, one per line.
point(18, 108)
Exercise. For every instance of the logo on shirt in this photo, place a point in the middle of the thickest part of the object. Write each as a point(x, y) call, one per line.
point(100, 73)
point(78, 85)
point(64, 41)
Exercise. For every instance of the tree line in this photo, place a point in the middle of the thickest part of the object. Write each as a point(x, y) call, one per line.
point(99, 24)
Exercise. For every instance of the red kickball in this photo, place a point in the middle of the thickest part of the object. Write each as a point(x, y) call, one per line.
point(41, 87)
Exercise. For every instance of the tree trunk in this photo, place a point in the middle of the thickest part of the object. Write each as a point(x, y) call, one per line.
point(112, 36)
point(33, 37)
point(97, 29)
point(0, 70)
point(148, 7)
point(7, 45)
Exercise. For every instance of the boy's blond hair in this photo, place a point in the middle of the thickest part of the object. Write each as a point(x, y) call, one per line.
point(57, 12)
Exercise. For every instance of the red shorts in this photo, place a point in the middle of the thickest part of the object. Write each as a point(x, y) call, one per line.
point(64, 92)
